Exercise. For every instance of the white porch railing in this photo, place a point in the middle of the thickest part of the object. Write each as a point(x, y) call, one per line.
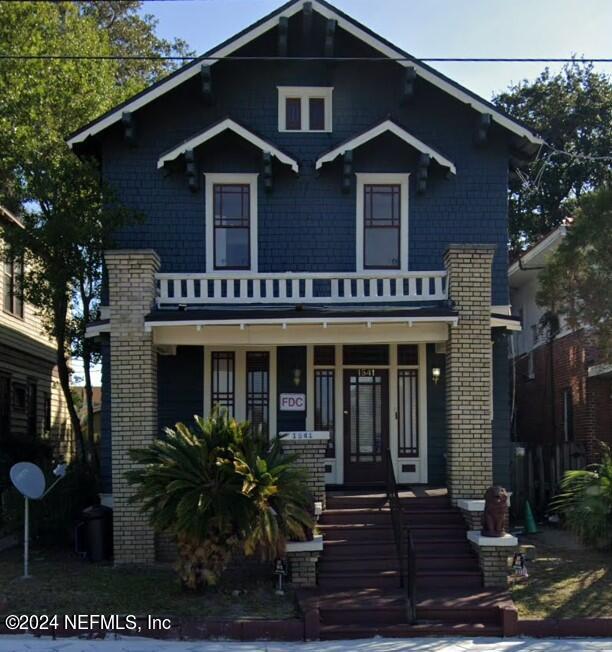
point(300, 287)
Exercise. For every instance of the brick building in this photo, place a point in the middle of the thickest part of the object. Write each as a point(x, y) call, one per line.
point(563, 389)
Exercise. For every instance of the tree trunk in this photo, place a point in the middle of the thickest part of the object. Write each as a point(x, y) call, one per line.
point(60, 315)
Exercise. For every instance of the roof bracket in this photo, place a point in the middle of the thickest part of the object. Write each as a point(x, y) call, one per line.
point(347, 170)
point(422, 173)
point(129, 128)
point(206, 83)
point(267, 171)
point(481, 135)
point(191, 168)
point(283, 35)
point(330, 33)
point(409, 81)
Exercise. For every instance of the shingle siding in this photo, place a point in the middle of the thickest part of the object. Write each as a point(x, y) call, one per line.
point(307, 223)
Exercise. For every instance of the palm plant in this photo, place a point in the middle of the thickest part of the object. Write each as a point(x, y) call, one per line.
point(219, 487)
point(585, 501)
point(278, 493)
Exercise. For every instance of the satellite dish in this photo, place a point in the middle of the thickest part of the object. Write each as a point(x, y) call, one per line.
point(28, 480)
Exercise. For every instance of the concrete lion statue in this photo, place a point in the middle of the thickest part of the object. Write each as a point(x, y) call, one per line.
point(496, 508)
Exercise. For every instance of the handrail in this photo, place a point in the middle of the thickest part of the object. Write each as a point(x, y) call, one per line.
point(404, 543)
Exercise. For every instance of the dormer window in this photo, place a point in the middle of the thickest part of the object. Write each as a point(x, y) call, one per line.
point(305, 108)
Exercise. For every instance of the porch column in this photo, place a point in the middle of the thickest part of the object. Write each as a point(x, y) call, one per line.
point(131, 279)
point(468, 371)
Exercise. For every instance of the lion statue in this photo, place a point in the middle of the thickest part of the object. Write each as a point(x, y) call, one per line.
point(496, 508)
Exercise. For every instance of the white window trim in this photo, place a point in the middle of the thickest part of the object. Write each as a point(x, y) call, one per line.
point(223, 177)
point(305, 93)
point(383, 178)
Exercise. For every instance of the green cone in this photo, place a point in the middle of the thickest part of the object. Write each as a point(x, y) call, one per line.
point(530, 524)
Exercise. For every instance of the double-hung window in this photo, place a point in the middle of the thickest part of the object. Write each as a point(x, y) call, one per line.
point(12, 282)
point(231, 222)
point(304, 108)
point(382, 222)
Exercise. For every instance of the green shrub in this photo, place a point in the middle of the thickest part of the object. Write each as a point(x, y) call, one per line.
point(585, 501)
point(219, 487)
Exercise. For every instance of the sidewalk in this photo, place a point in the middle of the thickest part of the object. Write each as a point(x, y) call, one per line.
point(30, 644)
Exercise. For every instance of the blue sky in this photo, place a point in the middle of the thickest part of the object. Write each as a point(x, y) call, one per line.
point(508, 28)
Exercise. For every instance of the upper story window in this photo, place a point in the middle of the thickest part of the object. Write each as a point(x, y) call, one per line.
point(304, 108)
point(382, 222)
point(13, 278)
point(231, 222)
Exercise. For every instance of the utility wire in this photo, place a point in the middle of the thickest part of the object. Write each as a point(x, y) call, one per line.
point(128, 57)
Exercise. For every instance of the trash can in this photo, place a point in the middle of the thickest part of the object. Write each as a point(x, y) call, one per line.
point(97, 521)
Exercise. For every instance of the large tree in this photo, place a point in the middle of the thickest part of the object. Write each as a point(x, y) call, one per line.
point(572, 111)
point(577, 279)
point(68, 217)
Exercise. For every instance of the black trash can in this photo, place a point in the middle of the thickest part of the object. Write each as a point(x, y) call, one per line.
point(98, 522)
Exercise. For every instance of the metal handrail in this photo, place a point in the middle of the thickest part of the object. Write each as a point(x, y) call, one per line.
point(404, 544)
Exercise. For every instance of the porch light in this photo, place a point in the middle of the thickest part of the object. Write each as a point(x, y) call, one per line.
point(435, 374)
point(297, 377)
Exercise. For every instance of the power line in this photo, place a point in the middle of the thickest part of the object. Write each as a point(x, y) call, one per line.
point(127, 57)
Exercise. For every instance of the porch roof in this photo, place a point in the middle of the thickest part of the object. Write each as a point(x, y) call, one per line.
point(297, 314)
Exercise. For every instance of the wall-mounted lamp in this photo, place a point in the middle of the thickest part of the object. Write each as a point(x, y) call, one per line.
point(297, 377)
point(435, 374)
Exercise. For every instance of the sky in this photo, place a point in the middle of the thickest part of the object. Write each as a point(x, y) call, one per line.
point(431, 28)
point(434, 28)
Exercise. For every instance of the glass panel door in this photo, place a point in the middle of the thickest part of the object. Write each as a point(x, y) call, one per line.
point(366, 425)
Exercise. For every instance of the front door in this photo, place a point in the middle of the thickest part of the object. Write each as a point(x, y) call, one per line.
point(366, 425)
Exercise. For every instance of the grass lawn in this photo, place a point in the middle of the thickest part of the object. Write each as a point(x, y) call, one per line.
point(64, 584)
point(567, 580)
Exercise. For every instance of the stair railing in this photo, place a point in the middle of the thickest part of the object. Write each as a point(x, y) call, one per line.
point(404, 544)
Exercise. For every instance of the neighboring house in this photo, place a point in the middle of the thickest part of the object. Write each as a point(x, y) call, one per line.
point(324, 249)
point(563, 389)
point(32, 404)
point(97, 409)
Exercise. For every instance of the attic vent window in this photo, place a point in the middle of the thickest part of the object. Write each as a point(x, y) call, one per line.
point(305, 108)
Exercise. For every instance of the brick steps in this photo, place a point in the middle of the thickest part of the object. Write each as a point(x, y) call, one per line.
point(404, 630)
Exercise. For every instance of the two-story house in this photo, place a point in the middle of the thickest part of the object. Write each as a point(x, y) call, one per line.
point(563, 385)
point(324, 249)
point(32, 404)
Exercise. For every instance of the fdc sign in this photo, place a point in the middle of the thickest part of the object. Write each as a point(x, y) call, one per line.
point(292, 402)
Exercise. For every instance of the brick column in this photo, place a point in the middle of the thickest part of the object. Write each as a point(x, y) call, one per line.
point(311, 457)
point(131, 279)
point(468, 369)
point(493, 556)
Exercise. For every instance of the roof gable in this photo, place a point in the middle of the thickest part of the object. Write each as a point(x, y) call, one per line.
point(257, 29)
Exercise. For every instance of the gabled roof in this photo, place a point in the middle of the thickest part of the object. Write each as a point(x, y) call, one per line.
point(270, 21)
point(381, 128)
point(214, 130)
point(530, 262)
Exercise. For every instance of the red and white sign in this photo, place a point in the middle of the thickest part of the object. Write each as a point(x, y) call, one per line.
point(292, 402)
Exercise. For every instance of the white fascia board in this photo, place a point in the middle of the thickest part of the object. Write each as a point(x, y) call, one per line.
point(218, 128)
point(508, 324)
point(387, 125)
point(428, 75)
point(149, 325)
point(257, 31)
point(548, 244)
point(97, 329)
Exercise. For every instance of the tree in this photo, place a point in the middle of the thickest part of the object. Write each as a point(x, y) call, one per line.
point(577, 279)
point(133, 34)
point(68, 217)
point(572, 111)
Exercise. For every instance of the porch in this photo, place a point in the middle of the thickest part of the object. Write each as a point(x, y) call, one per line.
point(348, 354)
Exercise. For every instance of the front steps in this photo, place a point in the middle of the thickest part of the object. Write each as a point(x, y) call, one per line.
point(359, 593)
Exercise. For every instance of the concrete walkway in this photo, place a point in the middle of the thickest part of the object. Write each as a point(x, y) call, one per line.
point(30, 644)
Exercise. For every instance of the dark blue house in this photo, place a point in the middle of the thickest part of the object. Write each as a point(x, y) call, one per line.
point(323, 250)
